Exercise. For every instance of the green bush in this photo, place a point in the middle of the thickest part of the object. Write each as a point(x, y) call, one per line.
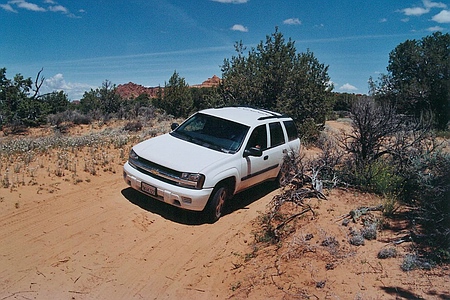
point(428, 189)
point(309, 131)
point(379, 176)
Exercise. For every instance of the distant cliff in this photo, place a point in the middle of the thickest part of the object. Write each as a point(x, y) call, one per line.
point(210, 82)
point(132, 90)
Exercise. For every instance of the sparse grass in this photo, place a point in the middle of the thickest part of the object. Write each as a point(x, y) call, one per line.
point(23, 159)
point(5, 180)
point(390, 204)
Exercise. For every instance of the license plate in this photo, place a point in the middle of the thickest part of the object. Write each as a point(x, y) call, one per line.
point(148, 189)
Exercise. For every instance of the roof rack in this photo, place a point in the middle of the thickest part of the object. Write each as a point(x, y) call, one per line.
point(272, 114)
point(272, 117)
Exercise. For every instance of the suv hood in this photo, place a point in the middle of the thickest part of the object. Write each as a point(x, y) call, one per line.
point(178, 154)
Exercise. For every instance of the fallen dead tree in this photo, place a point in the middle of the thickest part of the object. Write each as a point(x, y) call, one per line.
point(301, 180)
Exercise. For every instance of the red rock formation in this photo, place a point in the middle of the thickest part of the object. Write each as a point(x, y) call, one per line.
point(132, 90)
point(210, 82)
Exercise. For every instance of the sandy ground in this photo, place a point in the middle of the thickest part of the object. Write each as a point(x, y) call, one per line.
point(94, 238)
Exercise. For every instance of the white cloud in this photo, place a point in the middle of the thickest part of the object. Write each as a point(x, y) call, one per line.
point(442, 17)
point(418, 11)
point(292, 21)
point(58, 83)
point(58, 8)
point(435, 28)
point(13, 5)
point(239, 27)
point(27, 5)
point(430, 4)
point(8, 7)
point(348, 88)
point(383, 20)
point(231, 1)
point(415, 11)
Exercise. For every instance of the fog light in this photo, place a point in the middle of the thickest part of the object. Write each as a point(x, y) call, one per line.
point(186, 200)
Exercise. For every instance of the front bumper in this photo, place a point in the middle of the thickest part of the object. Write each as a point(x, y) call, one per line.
point(185, 198)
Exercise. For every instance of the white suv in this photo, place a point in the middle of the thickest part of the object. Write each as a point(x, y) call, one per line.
point(211, 156)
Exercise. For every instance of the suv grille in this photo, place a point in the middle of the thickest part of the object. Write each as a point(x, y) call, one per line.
point(156, 171)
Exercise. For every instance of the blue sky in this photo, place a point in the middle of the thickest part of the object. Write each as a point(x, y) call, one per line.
point(80, 44)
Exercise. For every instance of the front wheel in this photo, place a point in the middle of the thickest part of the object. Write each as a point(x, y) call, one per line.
point(213, 209)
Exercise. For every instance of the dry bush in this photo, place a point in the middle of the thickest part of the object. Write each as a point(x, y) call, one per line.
point(387, 253)
point(133, 126)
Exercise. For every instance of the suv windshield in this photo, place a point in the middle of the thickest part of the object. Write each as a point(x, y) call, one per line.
point(212, 132)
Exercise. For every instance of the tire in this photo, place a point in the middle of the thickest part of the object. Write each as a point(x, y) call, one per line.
point(214, 208)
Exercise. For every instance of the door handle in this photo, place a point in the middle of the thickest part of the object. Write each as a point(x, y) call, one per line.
point(266, 157)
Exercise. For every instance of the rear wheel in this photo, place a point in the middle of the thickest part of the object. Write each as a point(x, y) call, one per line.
point(214, 208)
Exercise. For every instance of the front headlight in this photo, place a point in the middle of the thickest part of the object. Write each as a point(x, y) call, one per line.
point(133, 155)
point(192, 180)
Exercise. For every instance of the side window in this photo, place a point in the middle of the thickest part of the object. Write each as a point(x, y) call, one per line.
point(291, 130)
point(276, 134)
point(258, 139)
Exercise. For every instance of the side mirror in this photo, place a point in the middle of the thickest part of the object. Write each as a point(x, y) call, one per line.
point(174, 126)
point(253, 152)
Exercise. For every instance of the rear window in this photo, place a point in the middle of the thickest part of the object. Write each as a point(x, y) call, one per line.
point(276, 134)
point(291, 130)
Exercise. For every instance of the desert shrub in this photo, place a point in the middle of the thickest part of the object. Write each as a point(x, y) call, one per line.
point(357, 239)
point(330, 241)
point(387, 253)
point(390, 204)
point(445, 134)
point(379, 176)
point(413, 262)
point(331, 157)
point(80, 119)
point(68, 116)
point(428, 189)
point(147, 113)
point(334, 115)
point(369, 231)
point(133, 126)
point(309, 131)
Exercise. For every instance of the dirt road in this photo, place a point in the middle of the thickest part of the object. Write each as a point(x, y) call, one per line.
point(102, 240)
point(70, 228)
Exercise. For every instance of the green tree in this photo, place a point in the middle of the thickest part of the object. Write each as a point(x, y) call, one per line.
point(343, 101)
point(274, 76)
point(418, 79)
point(101, 102)
point(258, 78)
point(205, 97)
point(307, 93)
point(177, 98)
point(55, 102)
point(20, 102)
point(12, 95)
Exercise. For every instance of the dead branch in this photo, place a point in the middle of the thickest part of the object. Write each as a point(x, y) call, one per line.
point(295, 216)
point(38, 83)
point(355, 214)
